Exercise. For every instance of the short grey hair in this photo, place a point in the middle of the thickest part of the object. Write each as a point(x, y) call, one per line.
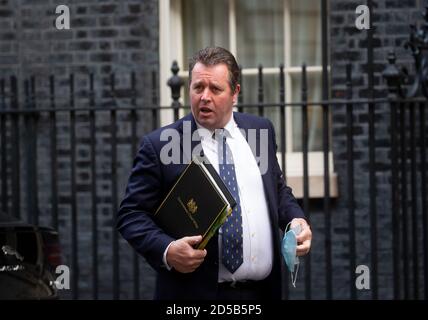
point(211, 56)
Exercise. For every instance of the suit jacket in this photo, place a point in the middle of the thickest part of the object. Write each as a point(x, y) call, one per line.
point(150, 181)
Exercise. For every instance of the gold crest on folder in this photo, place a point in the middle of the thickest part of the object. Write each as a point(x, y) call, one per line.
point(191, 206)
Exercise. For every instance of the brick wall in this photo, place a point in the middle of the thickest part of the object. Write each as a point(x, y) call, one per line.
point(391, 21)
point(105, 37)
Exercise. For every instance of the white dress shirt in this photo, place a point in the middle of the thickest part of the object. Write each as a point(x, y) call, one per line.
point(257, 234)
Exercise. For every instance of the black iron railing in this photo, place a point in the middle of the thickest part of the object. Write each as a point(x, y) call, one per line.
point(20, 165)
point(106, 125)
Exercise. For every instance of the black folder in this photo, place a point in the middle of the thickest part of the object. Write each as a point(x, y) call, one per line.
point(197, 204)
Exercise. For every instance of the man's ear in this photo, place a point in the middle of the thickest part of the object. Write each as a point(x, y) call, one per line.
point(236, 94)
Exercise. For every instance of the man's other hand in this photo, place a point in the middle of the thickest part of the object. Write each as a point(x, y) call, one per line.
point(304, 238)
point(183, 257)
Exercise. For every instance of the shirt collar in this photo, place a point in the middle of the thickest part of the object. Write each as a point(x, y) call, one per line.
point(230, 127)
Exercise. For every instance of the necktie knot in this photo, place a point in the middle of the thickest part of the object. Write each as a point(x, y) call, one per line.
point(219, 135)
point(223, 150)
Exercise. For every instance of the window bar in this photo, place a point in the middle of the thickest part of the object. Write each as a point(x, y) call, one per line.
point(3, 148)
point(282, 115)
point(395, 202)
point(326, 148)
point(241, 92)
point(135, 262)
point(423, 148)
point(74, 244)
point(414, 200)
point(404, 201)
point(116, 282)
point(305, 135)
point(94, 218)
point(350, 171)
point(260, 91)
point(15, 152)
point(53, 153)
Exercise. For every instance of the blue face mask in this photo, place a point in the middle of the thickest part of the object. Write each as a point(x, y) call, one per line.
point(288, 248)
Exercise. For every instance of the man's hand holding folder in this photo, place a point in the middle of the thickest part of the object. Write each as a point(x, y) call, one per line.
point(182, 256)
point(192, 212)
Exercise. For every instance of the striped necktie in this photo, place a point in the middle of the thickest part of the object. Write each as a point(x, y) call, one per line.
point(232, 248)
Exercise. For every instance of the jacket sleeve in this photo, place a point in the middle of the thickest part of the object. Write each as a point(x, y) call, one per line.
point(134, 220)
point(288, 208)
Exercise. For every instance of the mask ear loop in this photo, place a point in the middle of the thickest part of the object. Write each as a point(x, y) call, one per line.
point(294, 278)
point(293, 274)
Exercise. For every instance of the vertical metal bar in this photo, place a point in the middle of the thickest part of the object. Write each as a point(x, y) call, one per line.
point(155, 110)
point(327, 210)
point(372, 175)
point(241, 92)
point(324, 39)
point(373, 196)
point(15, 152)
point(260, 91)
point(404, 203)
point(423, 147)
point(134, 112)
point(53, 154)
point(177, 107)
point(34, 123)
point(414, 201)
point(94, 222)
point(326, 150)
point(282, 139)
point(305, 149)
point(395, 197)
point(3, 148)
point(135, 263)
point(31, 154)
point(350, 187)
point(116, 284)
point(27, 155)
point(74, 244)
point(283, 122)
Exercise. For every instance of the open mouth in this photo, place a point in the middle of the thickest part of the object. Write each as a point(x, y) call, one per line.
point(205, 110)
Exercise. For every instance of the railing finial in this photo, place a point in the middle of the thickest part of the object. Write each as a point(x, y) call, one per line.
point(175, 83)
point(394, 77)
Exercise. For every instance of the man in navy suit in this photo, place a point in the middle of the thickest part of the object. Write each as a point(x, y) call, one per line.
point(250, 267)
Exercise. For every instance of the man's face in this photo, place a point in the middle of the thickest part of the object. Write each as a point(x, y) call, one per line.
point(211, 97)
